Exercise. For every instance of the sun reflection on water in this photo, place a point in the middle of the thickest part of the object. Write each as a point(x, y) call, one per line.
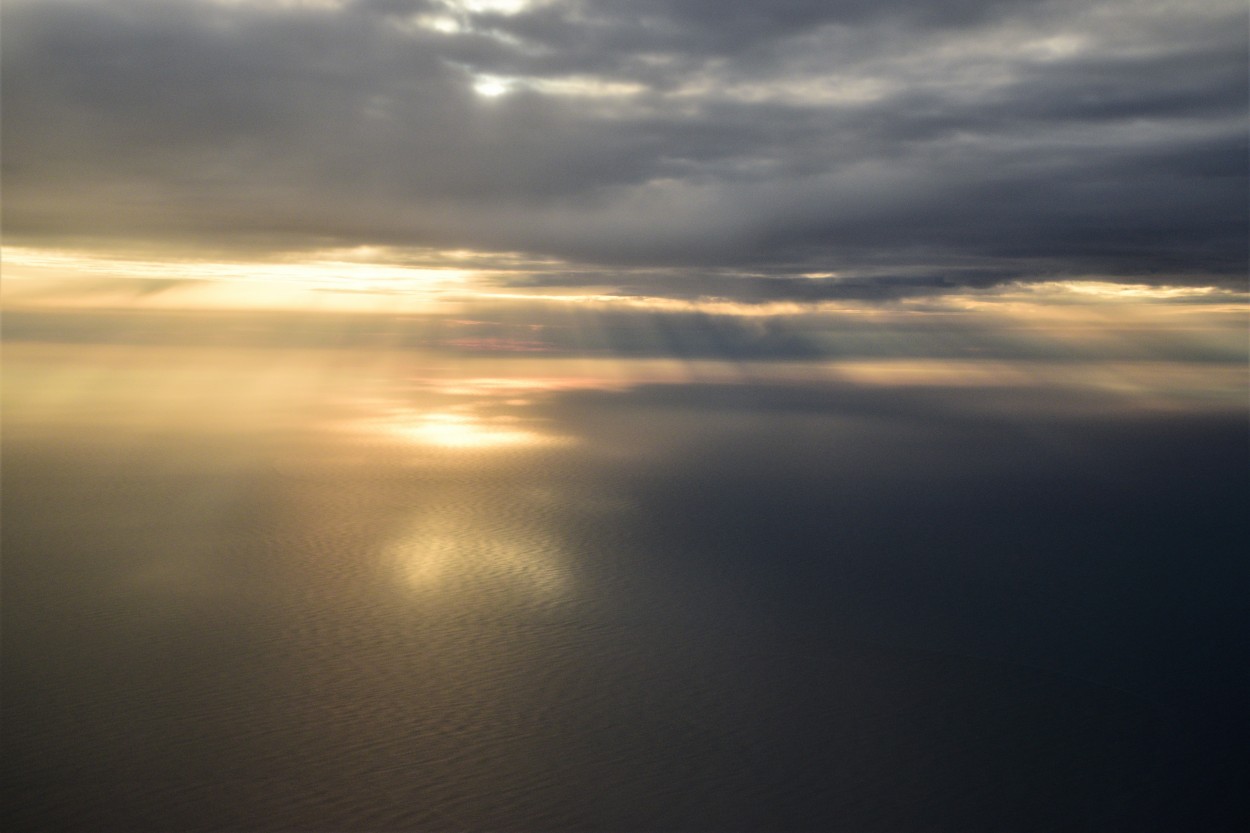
point(462, 430)
point(480, 549)
point(458, 430)
point(505, 561)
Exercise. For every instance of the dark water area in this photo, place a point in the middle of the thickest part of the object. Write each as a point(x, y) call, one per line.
point(729, 605)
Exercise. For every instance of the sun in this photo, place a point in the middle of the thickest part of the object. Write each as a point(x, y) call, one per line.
point(490, 87)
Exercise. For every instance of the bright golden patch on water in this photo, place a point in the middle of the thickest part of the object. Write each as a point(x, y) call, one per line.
point(459, 430)
point(481, 546)
point(489, 564)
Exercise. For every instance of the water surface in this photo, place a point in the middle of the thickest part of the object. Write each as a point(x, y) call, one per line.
point(263, 589)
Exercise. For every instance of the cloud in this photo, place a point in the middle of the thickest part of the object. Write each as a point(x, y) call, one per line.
point(1143, 328)
point(951, 140)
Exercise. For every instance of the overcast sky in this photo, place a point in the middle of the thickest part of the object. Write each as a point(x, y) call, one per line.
point(892, 144)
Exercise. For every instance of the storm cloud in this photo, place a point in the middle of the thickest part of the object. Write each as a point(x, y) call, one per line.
point(914, 145)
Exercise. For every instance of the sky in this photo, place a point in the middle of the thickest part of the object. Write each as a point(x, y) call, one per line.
point(944, 190)
point(921, 321)
point(798, 151)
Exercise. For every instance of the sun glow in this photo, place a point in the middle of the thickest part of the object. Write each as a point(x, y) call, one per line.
point(491, 86)
point(457, 430)
point(462, 431)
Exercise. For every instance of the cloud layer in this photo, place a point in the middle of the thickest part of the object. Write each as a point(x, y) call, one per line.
point(952, 142)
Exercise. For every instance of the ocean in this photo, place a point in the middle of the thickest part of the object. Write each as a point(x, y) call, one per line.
point(283, 588)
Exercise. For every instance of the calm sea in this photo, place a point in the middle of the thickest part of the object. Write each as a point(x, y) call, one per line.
point(339, 590)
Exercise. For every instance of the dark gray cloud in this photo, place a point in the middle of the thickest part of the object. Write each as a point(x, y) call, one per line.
point(957, 141)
